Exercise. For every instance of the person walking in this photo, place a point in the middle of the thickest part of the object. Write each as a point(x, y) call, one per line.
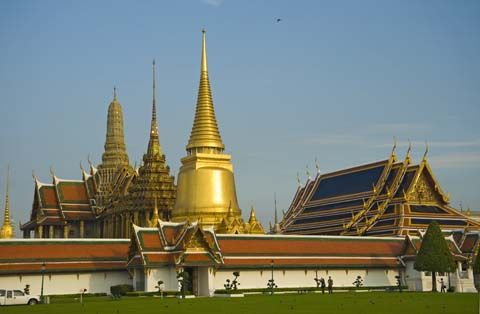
point(442, 285)
point(322, 285)
point(330, 284)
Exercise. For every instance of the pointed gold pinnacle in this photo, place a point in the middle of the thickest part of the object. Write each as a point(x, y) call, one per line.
point(205, 135)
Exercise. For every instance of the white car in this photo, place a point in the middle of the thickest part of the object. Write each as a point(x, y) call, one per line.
point(13, 297)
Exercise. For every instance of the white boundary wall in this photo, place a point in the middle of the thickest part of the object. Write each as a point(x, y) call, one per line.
point(67, 283)
point(252, 278)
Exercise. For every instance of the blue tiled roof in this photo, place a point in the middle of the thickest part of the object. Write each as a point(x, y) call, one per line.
point(407, 180)
point(441, 222)
point(391, 177)
point(348, 183)
point(427, 209)
point(333, 206)
point(322, 219)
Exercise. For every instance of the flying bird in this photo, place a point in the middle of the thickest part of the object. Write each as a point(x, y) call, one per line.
point(278, 20)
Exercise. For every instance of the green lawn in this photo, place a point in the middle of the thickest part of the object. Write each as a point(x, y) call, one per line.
point(357, 303)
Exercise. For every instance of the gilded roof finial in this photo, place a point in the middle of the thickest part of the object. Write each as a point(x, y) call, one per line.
point(394, 155)
point(408, 157)
point(205, 133)
point(275, 201)
point(155, 217)
point(424, 159)
point(6, 219)
point(298, 179)
point(276, 226)
point(309, 175)
point(52, 172)
point(317, 166)
point(114, 93)
point(6, 231)
point(154, 142)
point(253, 217)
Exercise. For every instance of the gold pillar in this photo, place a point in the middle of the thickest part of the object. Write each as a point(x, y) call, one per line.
point(50, 231)
point(40, 232)
point(65, 231)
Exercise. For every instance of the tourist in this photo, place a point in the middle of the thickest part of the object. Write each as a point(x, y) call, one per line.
point(322, 285)
point(442, 286)
point(330, 284)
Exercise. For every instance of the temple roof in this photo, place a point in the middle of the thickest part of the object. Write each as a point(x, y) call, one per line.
point(62, 255)
point(60, 202)
point(387, 197)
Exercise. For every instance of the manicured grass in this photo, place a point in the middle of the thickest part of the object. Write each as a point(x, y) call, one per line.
point(358, 303)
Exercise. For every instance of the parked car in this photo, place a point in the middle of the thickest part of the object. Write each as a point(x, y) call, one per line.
point(13, 297)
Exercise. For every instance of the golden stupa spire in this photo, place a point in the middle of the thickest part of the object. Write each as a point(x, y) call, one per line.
point(154, 142)
point(205, 136)
point(253, 217)
point(7, 230)
point(155, 217)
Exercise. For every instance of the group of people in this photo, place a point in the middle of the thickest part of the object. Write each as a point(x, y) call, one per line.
point(321, 284)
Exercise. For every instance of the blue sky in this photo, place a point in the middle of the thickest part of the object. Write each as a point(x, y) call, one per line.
point(334, 80)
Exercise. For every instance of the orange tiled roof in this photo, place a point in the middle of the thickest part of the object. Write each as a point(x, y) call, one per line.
point(323, 262)
point(73, 192)
point(49, 197)
point(311, 246)
point(51, 249)
point(150, 241)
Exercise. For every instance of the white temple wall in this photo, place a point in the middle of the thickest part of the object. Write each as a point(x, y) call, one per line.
point(70, 283)
point(421, 281)
point(166, 274)
point(285, 278)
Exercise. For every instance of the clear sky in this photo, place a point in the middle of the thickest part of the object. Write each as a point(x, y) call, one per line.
point(334, 80)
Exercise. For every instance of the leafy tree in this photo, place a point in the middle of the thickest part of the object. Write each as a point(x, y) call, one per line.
point(434, 255)
point(476, 262)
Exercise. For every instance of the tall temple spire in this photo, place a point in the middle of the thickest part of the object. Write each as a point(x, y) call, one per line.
point(6, 232)
point(205, 136)
point(115, 153)
point(154, 142)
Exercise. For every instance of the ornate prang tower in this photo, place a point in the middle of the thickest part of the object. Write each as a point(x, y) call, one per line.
point(7, 229)
point(206, 185)
point(152, 195)
point(115, 154)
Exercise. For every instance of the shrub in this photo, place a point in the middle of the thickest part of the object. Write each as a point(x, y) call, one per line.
point(119, 290)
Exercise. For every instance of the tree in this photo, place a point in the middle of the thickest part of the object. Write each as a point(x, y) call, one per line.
point(476, 262)
point(434, 255)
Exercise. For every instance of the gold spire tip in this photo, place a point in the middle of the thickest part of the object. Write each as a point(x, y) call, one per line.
point(114, 92)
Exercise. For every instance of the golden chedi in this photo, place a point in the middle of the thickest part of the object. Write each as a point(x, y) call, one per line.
point(206, 186)
point(6, 232)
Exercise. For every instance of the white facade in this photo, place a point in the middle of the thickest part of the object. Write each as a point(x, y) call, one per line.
point(207, 279)
point(462, 280)
point(67, 283)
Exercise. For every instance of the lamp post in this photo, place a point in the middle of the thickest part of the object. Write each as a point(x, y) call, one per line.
point(44, 266)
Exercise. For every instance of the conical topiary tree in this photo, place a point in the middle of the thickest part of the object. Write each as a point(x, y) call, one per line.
point(434, 254)
point(476, 262)
point(476, 269)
